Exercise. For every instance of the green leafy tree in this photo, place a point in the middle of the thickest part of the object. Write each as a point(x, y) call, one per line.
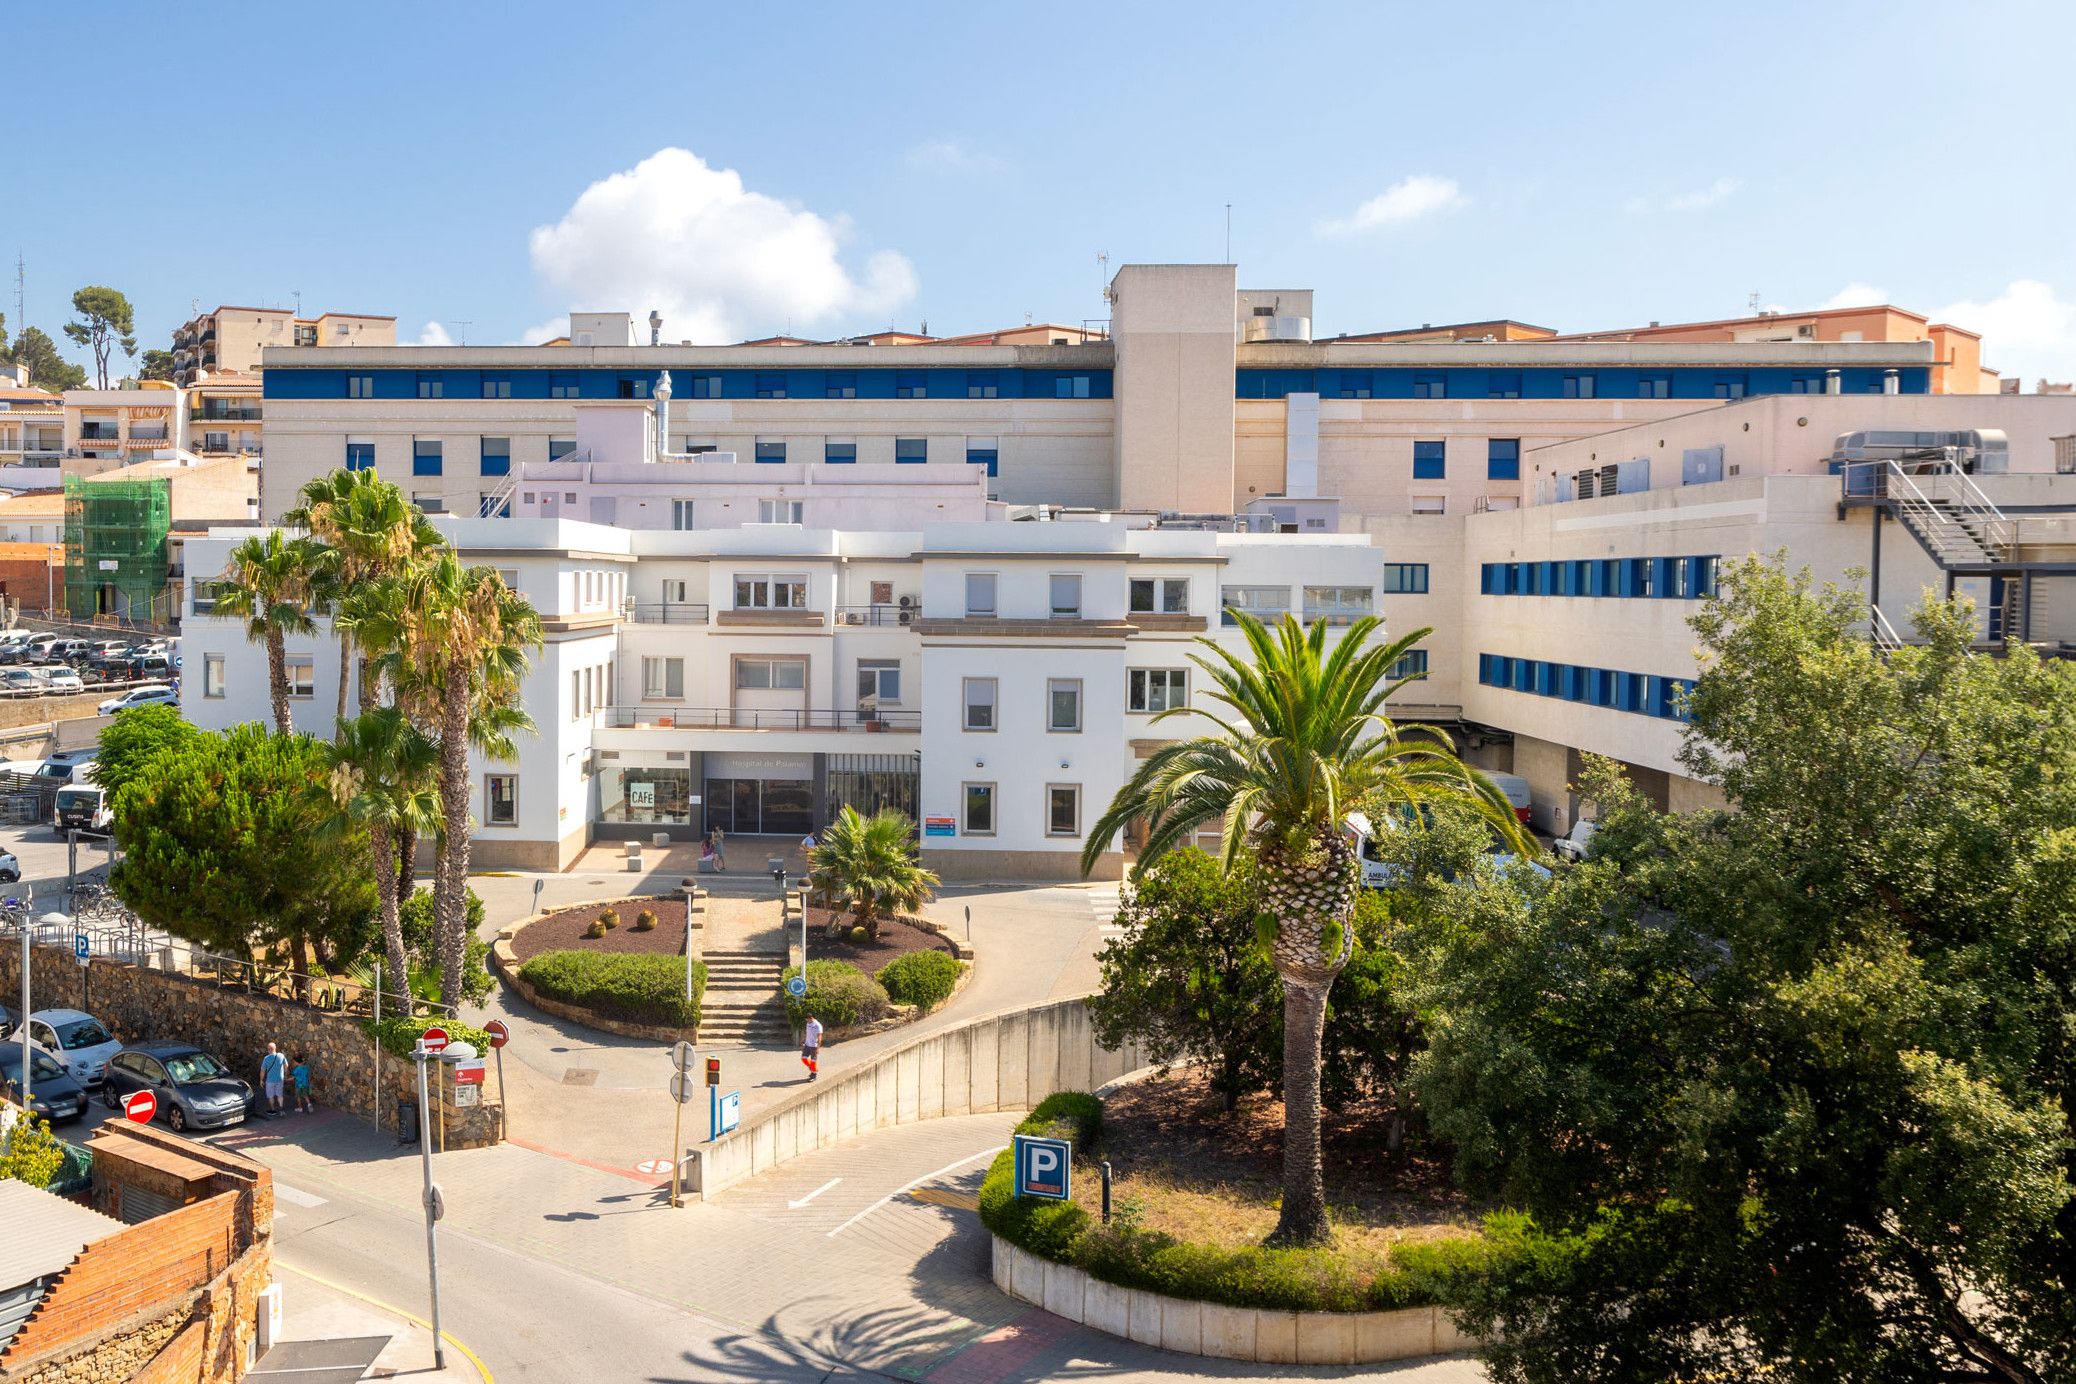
point(421, 938)
point(31, 1154)
point(271, 584)
point(1301, 736)
point(157, 365)
point(870, 863)
point(47, 369)
point(132, 741)
point(106, 322)
point(1788, 1089)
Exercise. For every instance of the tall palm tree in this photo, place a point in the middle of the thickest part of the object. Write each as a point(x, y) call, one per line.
point(871, 862)
point(380, 776)
point(1300, 733)
point(370, 532)
point(270, 583)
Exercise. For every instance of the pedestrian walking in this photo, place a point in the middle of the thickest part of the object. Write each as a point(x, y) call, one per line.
point(301, 1076)
point(273, 1069)
point(717, 843)
point(811, 1048)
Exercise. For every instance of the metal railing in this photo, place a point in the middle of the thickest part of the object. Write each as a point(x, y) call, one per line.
point(665, 716)
point(667, 612)
point(1948, 500)
point(906, 612)
point(1880, 632)
point(247, 413)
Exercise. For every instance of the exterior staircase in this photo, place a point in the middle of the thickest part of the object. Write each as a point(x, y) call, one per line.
point(743, 1005)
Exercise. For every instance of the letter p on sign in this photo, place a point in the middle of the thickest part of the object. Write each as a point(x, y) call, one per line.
point(1044, 1167)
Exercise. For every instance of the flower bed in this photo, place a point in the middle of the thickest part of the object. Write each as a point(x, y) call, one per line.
point(643, 990)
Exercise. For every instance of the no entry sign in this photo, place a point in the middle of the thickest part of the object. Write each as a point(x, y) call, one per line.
point(140, 1106)
point(499, 1034)
point(433, 1040)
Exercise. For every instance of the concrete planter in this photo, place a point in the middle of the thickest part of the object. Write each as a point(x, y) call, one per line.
point(506, 964)
point(1265, 1335)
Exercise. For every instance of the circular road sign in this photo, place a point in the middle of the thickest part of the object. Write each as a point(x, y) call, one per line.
point(433, 1040)
point(140, 1106)
point(683, 1054)
point(796, 986)
point(653, 1166)
point(499, 1034)
point(682, 1090)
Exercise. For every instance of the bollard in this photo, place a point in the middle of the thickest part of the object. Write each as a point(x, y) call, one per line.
point(1106, 1191)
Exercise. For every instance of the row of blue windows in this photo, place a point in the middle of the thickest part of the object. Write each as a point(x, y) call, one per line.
point(1671, 578)
point(428, 457)
point(1502, 460)
point(694, 384)
point(1645, 694)
point(1560, 383)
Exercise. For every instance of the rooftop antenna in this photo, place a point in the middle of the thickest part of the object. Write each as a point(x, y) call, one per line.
point(1753, 300)
point(299, 302)
point(19, 320)
point(463, 323)
point(1103, 268)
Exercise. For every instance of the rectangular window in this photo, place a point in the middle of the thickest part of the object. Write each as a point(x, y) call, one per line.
point(1355, 384)
point(431, 387)
point(1337, 605)
point(631, 387)
point(1063, 809)
point(840, 453)
point(1070, 387)
point(982, 456)
point(1579, 386)
point(1430, 504)
point(212, 676)
point(360, 386)
point(562, 386)
point(771, 452)
point(761, 592)
point(302, 677)
point(980, 384)
point(770, 674)
point(1503, 384)
point(911, 384)
point(980, 594)
point(360, 456)
point(1729, 387)
point(979, 700)
point(497, 456)
point(681, 515)
point(1430, 461)
point(1503, 459)
point(1159, 595)
point(1265, 603)
point(1156, 689)
point(560, 447)
point(426, 458)
point(1805, 384)
point(780, 511)
point(703, 387)
point(839, 385)
point(497, 386)
point(771, 386)
point(911, 451)
point(1066, 595)
point(879, 684)
point(1654, 387)
point(1412, 664)
point(663, 678)
point(501, 800)
point(1431, 385)
point(1405, 578)
point(979, 809)
point(1063, 704)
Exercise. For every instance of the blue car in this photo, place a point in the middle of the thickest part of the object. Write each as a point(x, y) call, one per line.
point(53, 1094)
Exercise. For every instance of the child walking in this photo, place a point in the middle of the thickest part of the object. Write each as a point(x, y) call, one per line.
point(301, 1076)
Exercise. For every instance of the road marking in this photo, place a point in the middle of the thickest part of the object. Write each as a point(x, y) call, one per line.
point(296, 1196)
point(653, 1166)
point(796, 1205)
point(906, 1186)
point(1104, 902)
point(481, 1369)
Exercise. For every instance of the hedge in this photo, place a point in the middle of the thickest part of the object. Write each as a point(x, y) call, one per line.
point(400, 1035)
point(639, 988)
point(924, 979)
point(838, 993)
point(1301, 1280)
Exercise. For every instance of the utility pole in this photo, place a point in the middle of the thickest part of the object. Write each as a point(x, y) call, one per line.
point(433, 1207)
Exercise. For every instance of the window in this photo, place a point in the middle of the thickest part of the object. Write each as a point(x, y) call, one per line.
point(1066, 595)
point(1405, 579)
point(1503, 459)
point(980, 594)
point(1070, 387)
point(497, 456)
point(663, 678)
point(501, 800)
point(840, 453)
point(980, 384)
point(771, 386)
point(840, 385)
point(1337, 605)
point(703, 387)
point(1503, 384)
point(497, 386)
point(979, 809)
point(1159, 595)
point(771, 452)
point(1729, 387)
point(982, 456)
point(770, 674)
point(1355, 384)
point(212, 676)
point(429, 501)
point(510, 577)
point(562, 386)
point(761, 592)
point(1430, 504)
point(1265, 603)
point(431, 387)
point(1430, 460)
point(911, 384)
point(779, 511)
point(426, 457)
point(560, 447)
point(979, 700)
point(1654, 387)
point(1413, 663)
point(1430, 385)
point(911, 451)
point(1578, 386)
point(681, 515)
point(1063, 809)
point(360, 456)
point(302, 677)
point(1063, 704)
point(631, 387)
point(1156, 689)
point(879, 684)
point(360, 386)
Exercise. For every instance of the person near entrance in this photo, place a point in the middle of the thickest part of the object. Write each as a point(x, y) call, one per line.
point(811, 1048)
point(715, 847)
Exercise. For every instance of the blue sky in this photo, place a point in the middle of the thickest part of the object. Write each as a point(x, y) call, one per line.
point(1579, 166)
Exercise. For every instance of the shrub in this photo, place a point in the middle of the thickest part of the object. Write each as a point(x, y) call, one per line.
point(33, 1155)
point(839, 994)
point(415, 918)
point(641, 988)
point(400, 1035)
point(859, 934)
point(645, 921)
point(924, 979)
point(596, 930)
point(610, 918)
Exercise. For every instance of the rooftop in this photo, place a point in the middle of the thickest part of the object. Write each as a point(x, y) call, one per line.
point(45, 1232)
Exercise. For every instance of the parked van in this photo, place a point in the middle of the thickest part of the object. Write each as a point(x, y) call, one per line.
point(1516, 789)
point(83, 807)
point(63, 765)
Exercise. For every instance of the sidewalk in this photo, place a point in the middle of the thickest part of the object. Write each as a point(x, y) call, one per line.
point(316, 1309)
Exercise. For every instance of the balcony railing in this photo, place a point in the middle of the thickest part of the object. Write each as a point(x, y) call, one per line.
point(906, 612)
point(666, 716)
point(223, 413)
point(667, 612)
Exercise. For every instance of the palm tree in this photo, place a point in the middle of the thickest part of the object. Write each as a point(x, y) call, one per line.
point(370, 531)
point(1300, 734)
point(871, 862)
point(271, 584)
point(380, 777)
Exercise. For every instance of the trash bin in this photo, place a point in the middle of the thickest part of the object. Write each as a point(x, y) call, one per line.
point(407, 1121)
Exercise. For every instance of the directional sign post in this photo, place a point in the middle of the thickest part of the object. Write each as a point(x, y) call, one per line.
point(681, 1057)
point(433, 1040)
point(499, 1036)
point(140, 1106)
point(1044, 1168)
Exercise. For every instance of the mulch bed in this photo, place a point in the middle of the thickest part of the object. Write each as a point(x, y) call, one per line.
point(564, 930)
point(896, 938)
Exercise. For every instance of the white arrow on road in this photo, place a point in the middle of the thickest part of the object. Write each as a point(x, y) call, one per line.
point(796, 1205)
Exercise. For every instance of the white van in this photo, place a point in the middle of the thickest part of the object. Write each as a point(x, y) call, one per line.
point(83, 807)
point(1516, 789)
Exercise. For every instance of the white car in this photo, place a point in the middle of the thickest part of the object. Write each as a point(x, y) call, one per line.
point(58, 678)
point(150, 694)
point(78, 1040)
point(10, 872)
point(1574, 844)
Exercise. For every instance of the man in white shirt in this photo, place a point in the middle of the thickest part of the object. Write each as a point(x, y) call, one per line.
point(811, 1047)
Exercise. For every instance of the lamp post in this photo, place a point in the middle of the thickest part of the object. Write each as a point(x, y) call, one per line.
point(434, 1206)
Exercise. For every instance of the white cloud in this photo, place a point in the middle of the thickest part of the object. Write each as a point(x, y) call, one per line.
point(716, 259)
point(1855, 295)
point(2028, 330)
point(952, 155)
point(1408, 199)
point(1717, 191)
point(434, 334)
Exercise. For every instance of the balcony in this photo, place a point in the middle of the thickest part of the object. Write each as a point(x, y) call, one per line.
point(665, 716)
point(667, 612)
point(224, 413)
point(780, 617)
point(907, 612)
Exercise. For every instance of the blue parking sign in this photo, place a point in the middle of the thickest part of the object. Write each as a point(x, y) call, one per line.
point(1044, 1167)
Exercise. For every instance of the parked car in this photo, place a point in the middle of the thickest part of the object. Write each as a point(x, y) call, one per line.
point(82, 806)
point(59, 679)
point(23, 682)
point(77, 1039)
point(194, 1090)
point(69, 649)
point(10, 872)
point(52, 1093)
point(1574, 844)
point(151, 694)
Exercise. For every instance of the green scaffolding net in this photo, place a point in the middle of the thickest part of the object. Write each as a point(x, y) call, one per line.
point(115, 549)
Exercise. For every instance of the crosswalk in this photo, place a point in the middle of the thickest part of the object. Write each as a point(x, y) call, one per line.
point(1104, 901)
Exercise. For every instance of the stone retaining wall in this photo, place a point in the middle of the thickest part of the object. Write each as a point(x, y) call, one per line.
point(1226, 1333)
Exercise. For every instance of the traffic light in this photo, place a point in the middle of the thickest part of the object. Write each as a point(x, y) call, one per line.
point(713, 1071)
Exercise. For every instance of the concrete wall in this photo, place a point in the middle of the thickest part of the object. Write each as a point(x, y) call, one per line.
point(1007, 1061)
point(1173, 329)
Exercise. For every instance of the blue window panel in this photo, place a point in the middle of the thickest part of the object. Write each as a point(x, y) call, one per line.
point(1354, 384)
point(1488, 579)
point(703, 387)
point(1571, 682)
point(1071, 387)
point(1503, 459)
point(1524, 675)
point(358, 386)
point(426, 458)
point(911, 384)
point(1405, 578)
point(982, 456)
point(911, 451)
point(1654, 386)
point(432, 387)
point(1545, 679)
point(839, 384)
point(497, 457)
point(1430, 385)
point(360, 456)
point(631, 387)
point(771, 385)
point(562, 386)
point(497, 386)
point(1485, 670)
point(1560, 579)
point(840, 453)
point(1430, 461)
point(1579, 387)
point(1806, 384)
point(1729, 386)
point(1412, 663)
point(982, 384)
point(1705, 577)
point(1503, 384)
point(1664, 576)
point(771, 452)
point(1523, 583)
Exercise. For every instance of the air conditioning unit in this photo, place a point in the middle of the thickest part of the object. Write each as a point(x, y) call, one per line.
point(1806, 329)
point(907, 617)
point(908, 602)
